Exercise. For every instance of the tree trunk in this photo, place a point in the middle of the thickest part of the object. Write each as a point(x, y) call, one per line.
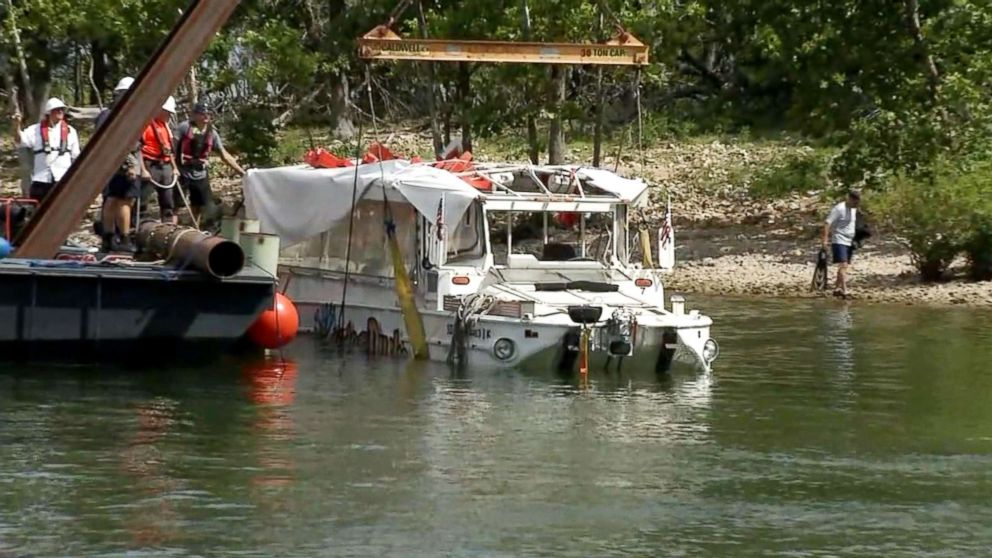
point(95, 92)
point(193, 84)
point(22, 64)
point(447, 127)
point(465, 99)
point(343, 125)
point(534, 148)
point(431, 87)
point(556, 132)
point(77, 76)
point(923, 51)
point(99, 71)
point(597, 134)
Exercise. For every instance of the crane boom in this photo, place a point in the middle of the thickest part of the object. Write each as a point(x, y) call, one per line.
point(382, 43)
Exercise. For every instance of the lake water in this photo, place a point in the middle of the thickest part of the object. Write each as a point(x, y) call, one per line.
point(825, 430)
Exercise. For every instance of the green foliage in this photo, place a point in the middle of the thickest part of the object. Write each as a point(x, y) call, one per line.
point(978, 249)
point(254, 136)
point(942, 215)
point(798, 172)
point(927, 220)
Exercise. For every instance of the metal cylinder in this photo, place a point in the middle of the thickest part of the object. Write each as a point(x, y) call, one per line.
point(232, 227)
point(262, 250)
point(213, 255)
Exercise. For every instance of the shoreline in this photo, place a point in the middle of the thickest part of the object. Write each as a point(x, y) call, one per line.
point(734, 263)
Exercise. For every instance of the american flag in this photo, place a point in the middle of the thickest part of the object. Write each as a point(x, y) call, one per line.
point(439, 222)
point(666, 228)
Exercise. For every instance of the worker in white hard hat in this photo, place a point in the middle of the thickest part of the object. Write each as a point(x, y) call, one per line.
point(55, 145)
point(122, 86)
point(158, 164)
point(121, 191)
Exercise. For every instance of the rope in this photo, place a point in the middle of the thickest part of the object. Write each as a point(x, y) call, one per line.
point(351, 227)
point(640, 124)
point(401, 7)
point(609, 13)
point(382, 173)
point(182, 195)
point(472, 307)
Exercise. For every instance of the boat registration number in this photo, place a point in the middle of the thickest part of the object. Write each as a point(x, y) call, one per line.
point(479, 333)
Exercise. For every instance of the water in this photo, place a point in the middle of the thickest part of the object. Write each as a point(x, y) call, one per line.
point(825, 430)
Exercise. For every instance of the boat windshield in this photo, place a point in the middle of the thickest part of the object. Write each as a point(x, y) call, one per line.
point(551, 236)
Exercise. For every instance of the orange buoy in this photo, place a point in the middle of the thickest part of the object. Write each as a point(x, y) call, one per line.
point(277, 326)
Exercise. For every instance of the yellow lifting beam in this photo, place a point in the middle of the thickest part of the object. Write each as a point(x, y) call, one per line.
point(382, 43)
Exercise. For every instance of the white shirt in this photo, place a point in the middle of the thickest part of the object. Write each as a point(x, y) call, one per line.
point(841, 221)
point(51, 166)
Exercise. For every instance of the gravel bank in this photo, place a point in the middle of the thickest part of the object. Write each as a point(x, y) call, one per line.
point(722, 262)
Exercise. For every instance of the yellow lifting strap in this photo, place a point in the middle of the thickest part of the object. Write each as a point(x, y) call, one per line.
point(646, 259)
point(408, 303)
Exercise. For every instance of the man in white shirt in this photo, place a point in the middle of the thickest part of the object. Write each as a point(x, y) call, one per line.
point(55, 145)
point(838, 233)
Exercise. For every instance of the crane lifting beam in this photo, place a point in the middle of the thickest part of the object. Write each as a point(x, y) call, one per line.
point(383, 44)
point(64, 207)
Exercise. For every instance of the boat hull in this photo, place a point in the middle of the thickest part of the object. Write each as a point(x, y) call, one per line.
point(73, 311)
point(535, 345)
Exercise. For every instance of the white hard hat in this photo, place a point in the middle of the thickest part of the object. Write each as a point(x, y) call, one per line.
point(52, 104)
point(170, 105)
point(124, 84)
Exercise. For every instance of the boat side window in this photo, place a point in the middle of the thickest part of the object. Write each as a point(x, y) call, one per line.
point(466, 240)
point(369, 252)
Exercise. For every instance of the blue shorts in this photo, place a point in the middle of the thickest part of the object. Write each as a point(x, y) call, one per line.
point(842, 253)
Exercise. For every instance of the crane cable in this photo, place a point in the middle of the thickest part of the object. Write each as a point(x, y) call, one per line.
point(412, 319)
point(351, 229)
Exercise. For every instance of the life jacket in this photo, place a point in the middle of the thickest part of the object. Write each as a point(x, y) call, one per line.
point(63, 140)
point(164, 153)
point(186, 146)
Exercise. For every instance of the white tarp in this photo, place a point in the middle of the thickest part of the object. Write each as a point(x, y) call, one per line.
point(625, 188)
point(299, 202)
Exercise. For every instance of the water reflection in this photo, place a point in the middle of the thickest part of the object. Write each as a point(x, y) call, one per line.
point(838, 338)
point(272, 389)
point(153, 517)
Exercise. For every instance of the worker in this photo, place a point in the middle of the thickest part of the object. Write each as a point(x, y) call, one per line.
point(55, 145)
point(123, 189)
point(839, 232)
point(157, 163)
point(122, 86)
point(195, 140)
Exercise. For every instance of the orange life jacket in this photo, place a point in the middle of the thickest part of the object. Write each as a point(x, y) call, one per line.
point(156, 142)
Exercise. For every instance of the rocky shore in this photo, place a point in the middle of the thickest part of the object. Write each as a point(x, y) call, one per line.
point(752, 263)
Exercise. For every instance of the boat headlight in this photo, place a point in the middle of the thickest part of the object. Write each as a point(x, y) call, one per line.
point(504, 349)
point(710, 350)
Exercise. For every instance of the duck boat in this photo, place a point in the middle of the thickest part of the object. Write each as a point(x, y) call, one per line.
point(509, 265)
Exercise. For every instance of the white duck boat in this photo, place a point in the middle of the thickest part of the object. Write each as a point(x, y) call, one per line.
point(480, 296)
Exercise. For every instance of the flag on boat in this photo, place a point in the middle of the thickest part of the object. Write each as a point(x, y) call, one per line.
point(439, 222)
point(666, 241)
point(666, 227)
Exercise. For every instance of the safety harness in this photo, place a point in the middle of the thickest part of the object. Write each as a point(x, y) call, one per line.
point(186, 146)
point(63, 140)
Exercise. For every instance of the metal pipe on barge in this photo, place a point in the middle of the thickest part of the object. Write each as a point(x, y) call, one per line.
point(212, 255)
